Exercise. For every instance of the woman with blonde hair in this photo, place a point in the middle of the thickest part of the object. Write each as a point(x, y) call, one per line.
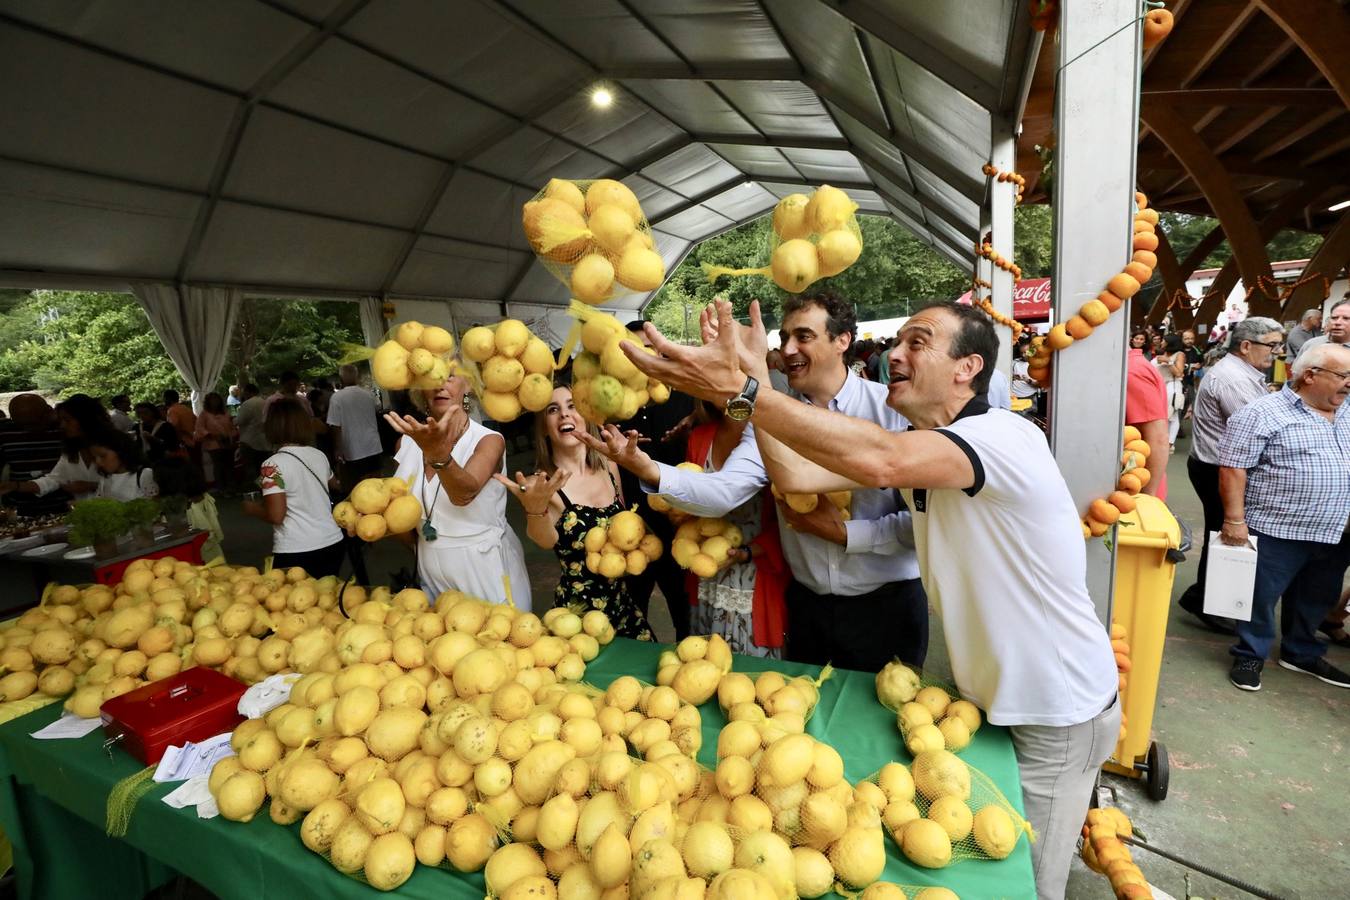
point(557, 520)
point(448, 460)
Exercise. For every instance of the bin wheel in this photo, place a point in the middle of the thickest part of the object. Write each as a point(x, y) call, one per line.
point(1157, 775)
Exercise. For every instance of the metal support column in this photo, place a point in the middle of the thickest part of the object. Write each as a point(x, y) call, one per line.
point(1002, 198)
point(1096, 120)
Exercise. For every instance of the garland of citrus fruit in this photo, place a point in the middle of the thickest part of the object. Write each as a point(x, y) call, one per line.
point(1105, 853)
point(1103, 513)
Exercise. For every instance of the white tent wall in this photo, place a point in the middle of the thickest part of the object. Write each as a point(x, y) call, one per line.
point(194, 324)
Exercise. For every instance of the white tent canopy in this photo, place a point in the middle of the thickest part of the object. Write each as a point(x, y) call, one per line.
point(384, 147)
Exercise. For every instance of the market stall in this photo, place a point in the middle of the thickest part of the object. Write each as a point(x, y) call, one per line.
point(53, 796)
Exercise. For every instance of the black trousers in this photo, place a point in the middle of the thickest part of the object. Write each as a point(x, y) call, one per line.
point(316, 563)
point(863, 632)
point(1205, 479)
point(663, 572)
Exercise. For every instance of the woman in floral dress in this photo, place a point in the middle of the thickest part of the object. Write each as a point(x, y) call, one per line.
point(559, 520)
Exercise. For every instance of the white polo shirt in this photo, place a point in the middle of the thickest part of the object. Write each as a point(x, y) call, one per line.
point(354, 410)
point(1005, 565)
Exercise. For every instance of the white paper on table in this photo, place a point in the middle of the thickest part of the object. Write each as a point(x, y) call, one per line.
point(1230, 578)
point(267, 695)
point(194, 792)
point(68, 726)
point(191, 760)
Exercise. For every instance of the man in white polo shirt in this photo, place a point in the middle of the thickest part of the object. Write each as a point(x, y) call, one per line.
point(353, 415)
point(998, 538)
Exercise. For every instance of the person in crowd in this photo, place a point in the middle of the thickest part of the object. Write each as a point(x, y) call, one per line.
point(1146, 408)
point(744, 601)
point(1284, 459)
point(558, 519)
point(288, 385)
point(884, 363)
point(295, 481)
point(1236, 380)
point(1309, 326)
point(233, 398)
point(1171, 365)
point(74, 473)
point(179, 478)
point(30, 446)
point(1139, 340)
point(1027, 648)
point(181, 417)
point(119, 413)
point(249, 421)
point(665, 427)
point(122, 472)
point(1195, 358)
point(157, 437)
point(216, 435)
point(777, 377)
point(448, 460)
point(1338, 328)
point(1000, 392)
point(353, 417)
point(1024, 387)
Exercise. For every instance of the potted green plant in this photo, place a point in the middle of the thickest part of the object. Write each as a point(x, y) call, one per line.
point(98, 522)
point(175, 507)
point(141, 514)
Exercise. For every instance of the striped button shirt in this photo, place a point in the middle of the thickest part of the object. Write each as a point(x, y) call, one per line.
point(1298, 467)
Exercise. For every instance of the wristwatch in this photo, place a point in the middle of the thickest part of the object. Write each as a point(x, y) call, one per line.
point(742, 405)
point(440, 465)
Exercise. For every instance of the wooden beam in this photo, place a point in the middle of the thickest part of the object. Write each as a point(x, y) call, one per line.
point(1326, 150)
point(1172, 281)
point(1292, 137)
point(1315, 98)
point(1252, 125)
point(1224, 198)
point(1216, 49)
point(1275, 170)
point(1327, 263)
point(1273, 59)
point(1321, 28)
point(1184, 270)
point(1178, 10)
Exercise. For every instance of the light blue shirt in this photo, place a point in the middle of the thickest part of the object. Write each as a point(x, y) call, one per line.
point(1000, 390)
point(880, 548)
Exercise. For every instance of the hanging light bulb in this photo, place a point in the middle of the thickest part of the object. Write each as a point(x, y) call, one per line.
point(602, 97)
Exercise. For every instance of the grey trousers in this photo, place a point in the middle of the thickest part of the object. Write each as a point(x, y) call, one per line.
point(1058, 766)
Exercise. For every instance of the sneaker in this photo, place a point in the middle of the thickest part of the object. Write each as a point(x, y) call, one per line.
point(1213, 623)
point(1246, 673)
point(1318, 668)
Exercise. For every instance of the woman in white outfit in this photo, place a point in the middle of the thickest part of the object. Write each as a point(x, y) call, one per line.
point(464, 542)
point(1171, 363)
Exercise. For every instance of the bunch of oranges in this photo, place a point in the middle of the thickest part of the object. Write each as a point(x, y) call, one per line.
point(1104, 513)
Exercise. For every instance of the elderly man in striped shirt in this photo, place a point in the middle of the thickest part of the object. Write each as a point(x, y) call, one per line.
point(1285, 475)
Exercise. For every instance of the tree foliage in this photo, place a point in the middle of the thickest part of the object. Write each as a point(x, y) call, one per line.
point(896, 273)
point(102, 344)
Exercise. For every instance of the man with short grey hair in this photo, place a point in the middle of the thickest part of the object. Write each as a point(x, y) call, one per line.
point(1308, 327)
point(353, 415)
point(1338, 328)
point(1232, 383)
point(1283, 480)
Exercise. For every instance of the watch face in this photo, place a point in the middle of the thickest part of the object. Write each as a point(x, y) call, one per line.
point(739, 409)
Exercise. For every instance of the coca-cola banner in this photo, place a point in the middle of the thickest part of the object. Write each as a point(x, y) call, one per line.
point(1031, 300)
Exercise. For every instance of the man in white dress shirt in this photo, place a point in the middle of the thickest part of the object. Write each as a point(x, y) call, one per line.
point(1007, 574)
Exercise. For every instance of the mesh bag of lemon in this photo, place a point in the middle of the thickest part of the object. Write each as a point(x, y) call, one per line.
point(928, 712)
point(771, 695)
point(377, 507)
point(606, 386)
point(621, 545)
point(939, 809)
point(509, 368)
point(432, 737)
point(812, 238)
point(807, 503)
point(703, 545)
point(593, 237)
point(412, 355)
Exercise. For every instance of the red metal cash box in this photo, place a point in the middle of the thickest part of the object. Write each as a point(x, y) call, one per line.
point(191, 706)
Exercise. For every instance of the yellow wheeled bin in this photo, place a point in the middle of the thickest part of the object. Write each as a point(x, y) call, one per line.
point(1144, 573)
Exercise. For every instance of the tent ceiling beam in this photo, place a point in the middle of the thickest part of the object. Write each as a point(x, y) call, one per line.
point(1309, 97)
point(1321, 29)
point(869, 18)
point(1215, 49)
point(297, 55)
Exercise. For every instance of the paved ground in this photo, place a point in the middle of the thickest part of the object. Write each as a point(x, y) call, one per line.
point(1258, 781)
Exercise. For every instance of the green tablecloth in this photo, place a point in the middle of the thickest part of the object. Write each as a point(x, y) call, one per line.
point(53, 798)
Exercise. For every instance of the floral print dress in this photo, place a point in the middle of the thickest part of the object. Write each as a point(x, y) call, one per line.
point(579, 589)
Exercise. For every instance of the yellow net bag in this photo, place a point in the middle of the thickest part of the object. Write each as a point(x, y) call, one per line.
point(606, 386)
point(940, 810)
point(412, 355)
point(813, 237)
point(620, 545)
point(509, 368)
point(377, 507)
point(593, 237)
point(771, 695)
point(929, 712)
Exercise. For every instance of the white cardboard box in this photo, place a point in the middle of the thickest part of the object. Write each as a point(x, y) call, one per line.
point(1230, 579)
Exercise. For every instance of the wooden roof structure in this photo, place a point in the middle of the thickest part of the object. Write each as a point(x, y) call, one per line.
point(1244, 116)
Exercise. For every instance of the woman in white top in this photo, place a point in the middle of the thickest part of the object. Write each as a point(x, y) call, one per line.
point(464, 543)
point(81, 418)
point(1171, 363)
point(295, 481)
point(122, 476)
